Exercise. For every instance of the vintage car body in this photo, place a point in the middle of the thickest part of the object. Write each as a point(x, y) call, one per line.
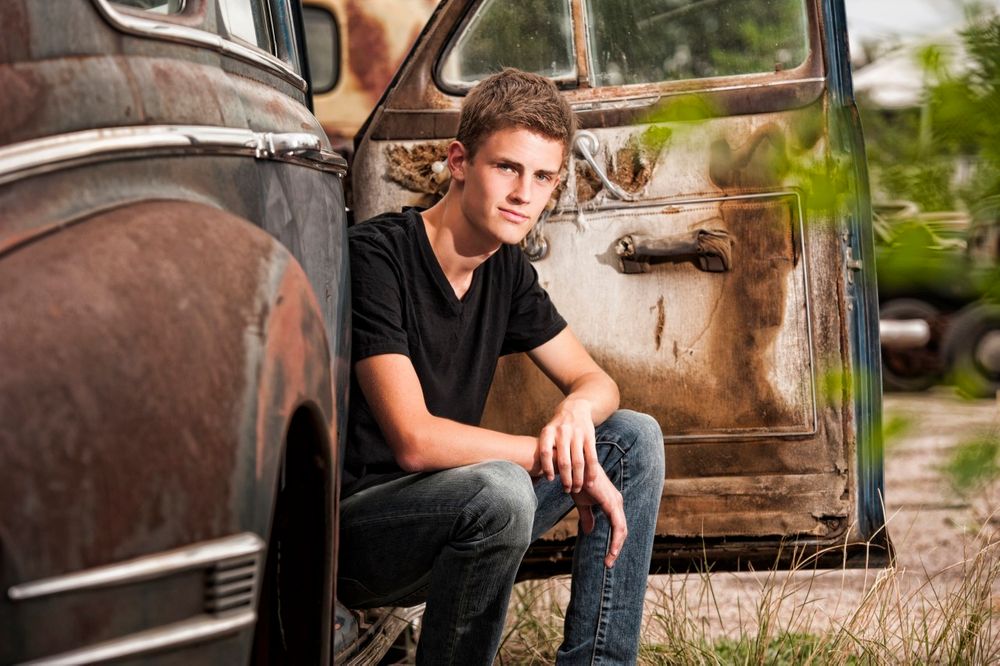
point(174, 343)
point(760, 359)
point(355, 47)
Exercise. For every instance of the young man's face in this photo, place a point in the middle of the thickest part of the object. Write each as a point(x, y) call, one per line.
point(506, 185)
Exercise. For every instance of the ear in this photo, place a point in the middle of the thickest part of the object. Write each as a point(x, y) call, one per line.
point(458, 160)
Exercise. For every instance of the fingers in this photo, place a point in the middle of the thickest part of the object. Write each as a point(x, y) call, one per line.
point(564, 455)
point(592, 465)
point(579, 463)
point(568, 447)
point(605, 495)
point(611, 502)
point(546, 441)
point(619, 531)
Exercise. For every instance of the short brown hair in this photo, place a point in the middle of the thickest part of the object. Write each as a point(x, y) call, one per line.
point(514, 98)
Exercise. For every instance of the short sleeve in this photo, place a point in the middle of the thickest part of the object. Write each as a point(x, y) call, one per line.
point(533, 319)
point(377, 325)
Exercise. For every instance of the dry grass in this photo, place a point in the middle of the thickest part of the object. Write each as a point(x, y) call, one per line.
point(939, 604)
point(901, 617)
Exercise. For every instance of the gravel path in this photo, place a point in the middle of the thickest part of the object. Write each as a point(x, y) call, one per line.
point(933, 528)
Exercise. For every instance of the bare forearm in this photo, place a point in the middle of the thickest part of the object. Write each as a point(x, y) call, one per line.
point(434, 443)
point(594, 391)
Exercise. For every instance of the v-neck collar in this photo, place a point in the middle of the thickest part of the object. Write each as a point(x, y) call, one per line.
point(434, 266)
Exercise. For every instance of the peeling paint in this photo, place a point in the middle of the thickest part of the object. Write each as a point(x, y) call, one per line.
point(661, 320)
point(414, 167)
point(633, 165)
point(587, 183)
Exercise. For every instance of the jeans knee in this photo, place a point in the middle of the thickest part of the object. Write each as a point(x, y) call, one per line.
point(645, 440)
point(504, 500)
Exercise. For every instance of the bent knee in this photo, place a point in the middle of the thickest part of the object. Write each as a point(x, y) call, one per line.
point(504, 493)
point(644, 436)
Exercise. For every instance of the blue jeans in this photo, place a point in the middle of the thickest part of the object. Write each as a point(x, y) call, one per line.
point(455, 539)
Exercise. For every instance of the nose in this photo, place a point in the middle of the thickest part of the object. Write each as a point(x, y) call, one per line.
point(521, 194)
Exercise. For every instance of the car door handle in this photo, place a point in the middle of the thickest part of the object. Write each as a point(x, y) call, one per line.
point(587, 144)
point(709, 249)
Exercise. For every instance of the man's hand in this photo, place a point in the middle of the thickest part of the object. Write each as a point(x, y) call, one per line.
point(567, 443)
point(604, 494)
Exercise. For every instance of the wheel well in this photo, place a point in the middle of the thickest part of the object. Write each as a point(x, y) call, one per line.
point(293, 617)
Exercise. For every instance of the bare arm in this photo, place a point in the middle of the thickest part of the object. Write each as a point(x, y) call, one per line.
point(421, 441)
point(567, 440)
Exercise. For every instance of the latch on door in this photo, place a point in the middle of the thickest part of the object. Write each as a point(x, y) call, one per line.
point(587, 144)
point(711, 250)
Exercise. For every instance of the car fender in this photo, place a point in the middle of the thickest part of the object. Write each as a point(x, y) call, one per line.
point(153, 356)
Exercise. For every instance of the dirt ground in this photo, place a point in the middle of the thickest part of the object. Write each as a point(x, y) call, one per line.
point(934, 529)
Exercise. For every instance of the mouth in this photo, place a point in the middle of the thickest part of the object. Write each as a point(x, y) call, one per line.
point(513, 216)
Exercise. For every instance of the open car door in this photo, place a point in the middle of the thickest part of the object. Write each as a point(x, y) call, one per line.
point(710, 246)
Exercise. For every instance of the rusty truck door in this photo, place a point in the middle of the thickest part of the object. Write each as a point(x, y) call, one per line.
point(710, 246)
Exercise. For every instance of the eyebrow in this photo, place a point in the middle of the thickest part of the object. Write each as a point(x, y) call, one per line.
point(506, 160)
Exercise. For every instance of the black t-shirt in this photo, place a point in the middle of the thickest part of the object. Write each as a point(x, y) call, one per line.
point(402, 303)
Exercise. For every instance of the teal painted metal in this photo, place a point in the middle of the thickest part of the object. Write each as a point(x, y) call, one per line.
point(847, 141)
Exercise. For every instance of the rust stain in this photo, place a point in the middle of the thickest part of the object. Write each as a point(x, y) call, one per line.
point(15, 44)
point(133, 408)
point(23, 98)
point(761, 161)
point(587, 183)
point(414, 169)
point(368, 51)
point(193, 95)
point(294, 363)
point(661, 320)
point(633, 164)
point(734, 390)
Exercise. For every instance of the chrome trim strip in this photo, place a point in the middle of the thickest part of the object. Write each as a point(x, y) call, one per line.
point(195, 630)
point(154, 29)
point(196, 556)
point(26, 158)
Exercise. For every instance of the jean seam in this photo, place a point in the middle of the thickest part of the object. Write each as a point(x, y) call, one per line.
point(464, 513)
point(602, 616)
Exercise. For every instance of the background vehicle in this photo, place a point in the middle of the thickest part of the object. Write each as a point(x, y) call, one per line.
point(937, 289)
point(171, 248)
point(354, 48)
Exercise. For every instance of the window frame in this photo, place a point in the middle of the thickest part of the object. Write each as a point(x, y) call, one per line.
point(810, 75)
point(188, 27)
point(591, 70)
point(570, 82)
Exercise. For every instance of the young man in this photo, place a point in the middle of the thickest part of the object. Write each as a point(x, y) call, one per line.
point(438, 509)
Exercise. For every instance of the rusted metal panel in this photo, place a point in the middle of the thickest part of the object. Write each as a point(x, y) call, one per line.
point(107, 79)
point(374, 38)
point(57, 96)
point(157, 341)
point(163, 423)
